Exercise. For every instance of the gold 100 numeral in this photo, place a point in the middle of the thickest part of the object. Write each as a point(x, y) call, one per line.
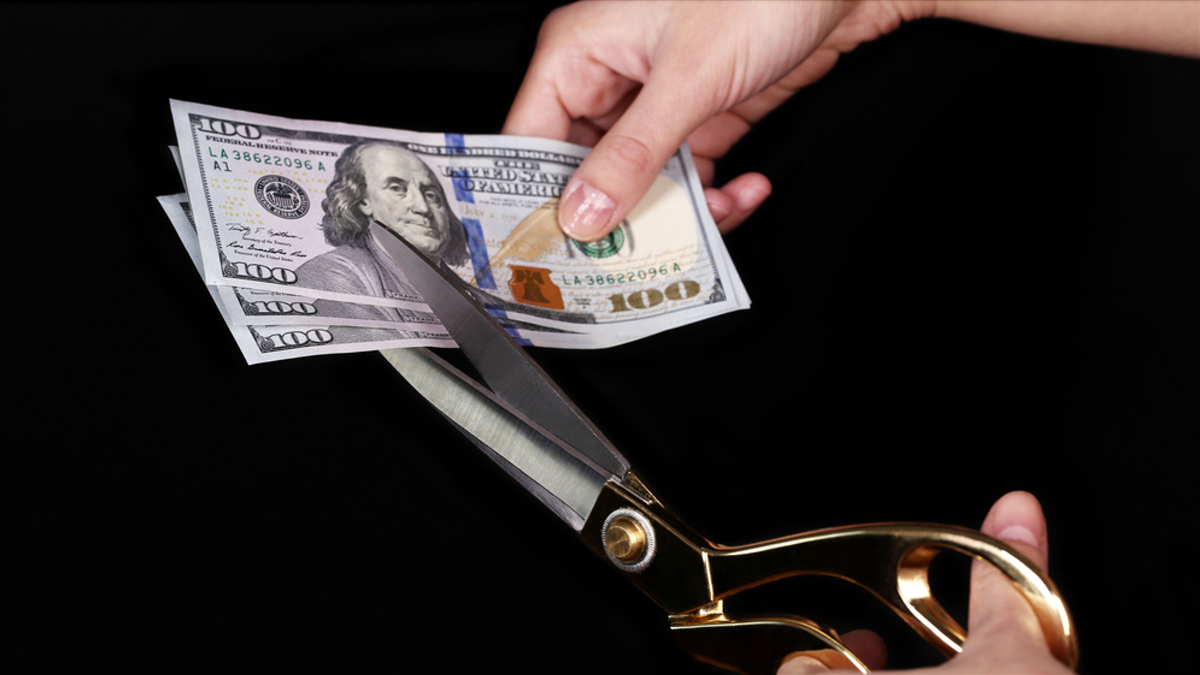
point(650, 297)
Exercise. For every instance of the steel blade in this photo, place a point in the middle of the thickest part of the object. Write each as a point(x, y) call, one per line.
point(565, 481)
point(502, 363)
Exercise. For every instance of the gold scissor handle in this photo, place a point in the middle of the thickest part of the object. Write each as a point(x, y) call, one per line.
point(891, 560)
point(690, 578)
point(758, 645)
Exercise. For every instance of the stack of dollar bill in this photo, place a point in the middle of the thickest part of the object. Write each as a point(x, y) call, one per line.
point(277, 218)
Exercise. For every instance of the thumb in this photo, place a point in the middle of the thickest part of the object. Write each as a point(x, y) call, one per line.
point(1017, 518)
point(1002, 626)
point(626, 160)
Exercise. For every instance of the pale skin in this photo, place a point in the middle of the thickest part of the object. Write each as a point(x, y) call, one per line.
point(635, 80)
point(1004, 636)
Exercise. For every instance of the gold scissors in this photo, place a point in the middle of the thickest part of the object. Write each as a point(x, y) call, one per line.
point(524, 422)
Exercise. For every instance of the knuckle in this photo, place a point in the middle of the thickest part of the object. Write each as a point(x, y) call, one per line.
point(628, 154)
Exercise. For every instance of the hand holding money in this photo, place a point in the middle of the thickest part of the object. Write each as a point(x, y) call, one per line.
point(735, 61)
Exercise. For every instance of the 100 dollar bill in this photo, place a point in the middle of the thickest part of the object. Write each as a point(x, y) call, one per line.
point(263, 344)
point(284, 206)
point(270, 342)
point(271, 326)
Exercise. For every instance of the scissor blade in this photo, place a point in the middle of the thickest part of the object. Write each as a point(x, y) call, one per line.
point(564, 481)
point(506, 368)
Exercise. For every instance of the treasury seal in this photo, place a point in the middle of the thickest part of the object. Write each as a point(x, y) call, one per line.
point(605, 247)
point(281, 196)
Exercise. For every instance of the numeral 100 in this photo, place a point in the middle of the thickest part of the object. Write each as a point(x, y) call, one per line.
point(296, 338)
point(229, 128)
point(276, 307)
point(260, 272)
point(650, 297)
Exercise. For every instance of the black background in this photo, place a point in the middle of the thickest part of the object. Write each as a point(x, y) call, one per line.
point(976, 274)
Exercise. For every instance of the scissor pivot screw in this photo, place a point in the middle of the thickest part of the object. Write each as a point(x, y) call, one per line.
point(628, 540)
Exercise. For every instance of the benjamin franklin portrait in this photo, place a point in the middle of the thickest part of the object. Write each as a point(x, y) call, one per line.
point(379, 180)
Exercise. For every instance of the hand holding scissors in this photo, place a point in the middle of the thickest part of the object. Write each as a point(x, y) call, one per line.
point(1003, 631)
point(533, 431)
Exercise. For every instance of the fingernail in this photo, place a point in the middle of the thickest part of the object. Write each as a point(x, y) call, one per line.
point(718, 211)
point(1019, 533)
point(751, 199)
point(584, 212)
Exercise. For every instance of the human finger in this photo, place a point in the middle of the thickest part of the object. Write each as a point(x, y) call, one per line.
point(537, 109)
point(995, 606)
point(865, 644)
point(801, 664)
point(565, 81)
point(1017, 518)
point(1002, 626)
point(732, 204)
point(627, 159)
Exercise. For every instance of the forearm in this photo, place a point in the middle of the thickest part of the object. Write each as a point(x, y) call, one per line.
point(1166, 26)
